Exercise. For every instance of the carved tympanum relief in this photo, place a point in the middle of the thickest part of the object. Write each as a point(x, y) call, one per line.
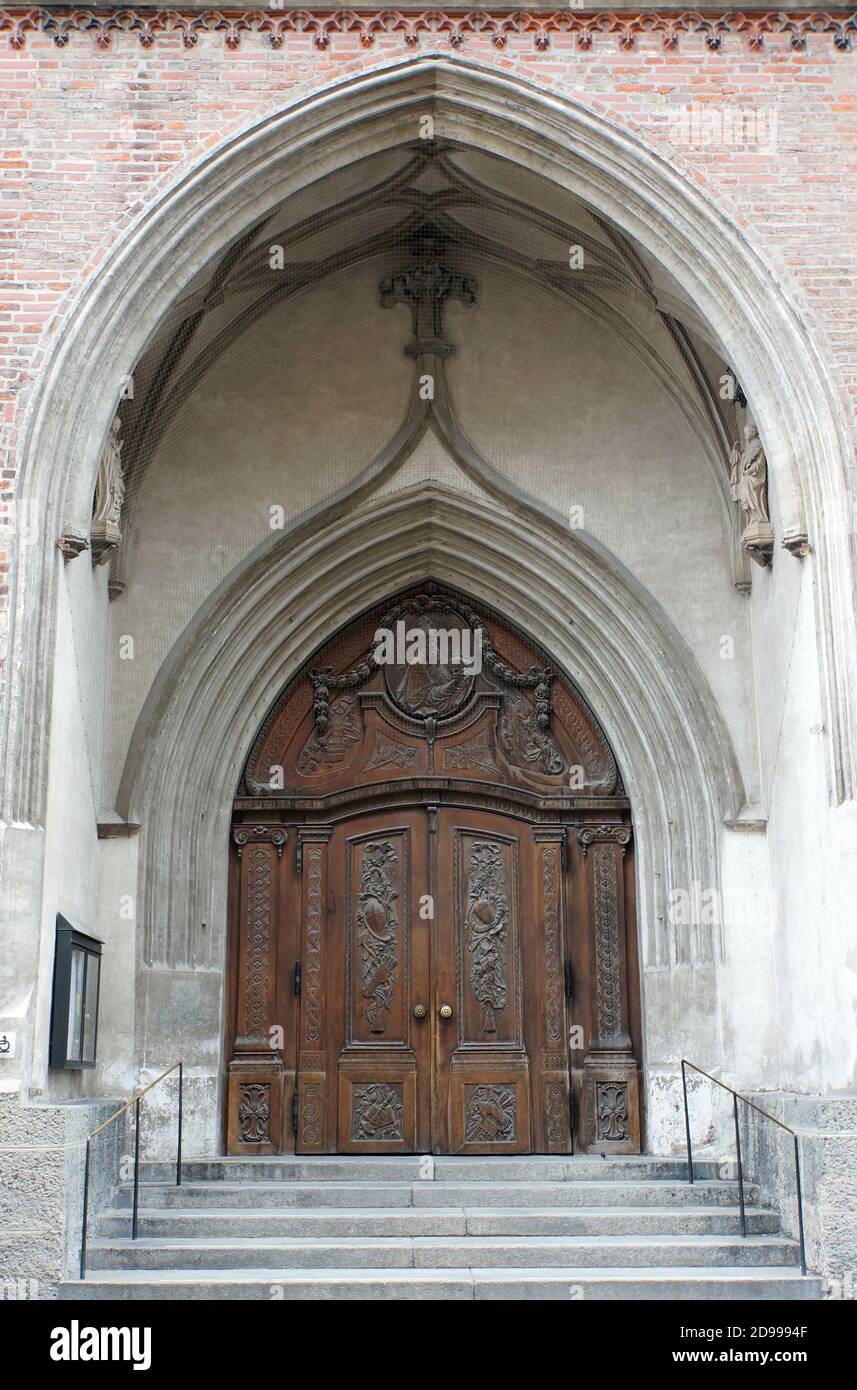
point(524, 742)
point(388, 752)
point(474, 755)
point(343, 729)
point(482, 718)
point(433, 689)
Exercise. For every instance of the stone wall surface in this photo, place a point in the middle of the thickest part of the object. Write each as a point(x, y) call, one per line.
point(828, 1162)
point(41, 1189)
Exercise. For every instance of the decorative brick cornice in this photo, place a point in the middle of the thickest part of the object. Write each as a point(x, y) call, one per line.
point(452, 27)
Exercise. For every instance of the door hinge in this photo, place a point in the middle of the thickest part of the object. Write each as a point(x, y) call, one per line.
point(299, 855)
point(569, 979)
point(298, 973)
point(295, 1110)
point(572, 1110)
point(564, 851)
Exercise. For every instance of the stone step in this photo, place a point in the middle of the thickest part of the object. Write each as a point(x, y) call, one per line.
point(437, 1221)
point(416, 1167)
point(271, 1196)
point(763, 1283)
point(436, 1252)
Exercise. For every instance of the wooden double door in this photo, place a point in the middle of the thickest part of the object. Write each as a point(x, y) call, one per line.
point(432, 912)
point(432, 987)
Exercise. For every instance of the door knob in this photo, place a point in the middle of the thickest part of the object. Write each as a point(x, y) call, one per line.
point(419, 1011)
point(445, 1011)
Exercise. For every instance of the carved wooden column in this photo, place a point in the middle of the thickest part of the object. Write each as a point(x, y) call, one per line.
point(312, 1080)
point(255, 1068)
point(611, 1087)
point(553, 1056)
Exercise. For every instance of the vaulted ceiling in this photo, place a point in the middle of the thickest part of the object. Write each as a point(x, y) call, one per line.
point(484, 212)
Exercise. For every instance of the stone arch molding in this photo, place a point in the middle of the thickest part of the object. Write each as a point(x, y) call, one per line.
point(106, 330)
point(227, 670)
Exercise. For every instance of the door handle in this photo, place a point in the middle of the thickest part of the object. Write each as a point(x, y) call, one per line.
point(419, 1011)
point(445, 1011)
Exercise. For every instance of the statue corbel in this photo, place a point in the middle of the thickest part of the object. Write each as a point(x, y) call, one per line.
point(748, 480)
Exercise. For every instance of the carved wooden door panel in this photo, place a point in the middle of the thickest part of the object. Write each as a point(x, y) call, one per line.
point(381, 782)
point(502, 1067)
point(364, 1064)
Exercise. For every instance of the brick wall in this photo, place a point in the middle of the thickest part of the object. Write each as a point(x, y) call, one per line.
point(99, 122)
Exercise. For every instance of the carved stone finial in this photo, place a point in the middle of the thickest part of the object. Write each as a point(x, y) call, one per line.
point(425, 286)
point(749, 483)
point(109, 496)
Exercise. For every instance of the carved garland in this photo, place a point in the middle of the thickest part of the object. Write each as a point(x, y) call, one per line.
point(259, 941)
point(312, 972)
point(607, 944)
point(553, 952)
point(410, 28)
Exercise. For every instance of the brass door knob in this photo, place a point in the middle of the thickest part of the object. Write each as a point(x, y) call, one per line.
point(445, 1011)
point(419, 1011)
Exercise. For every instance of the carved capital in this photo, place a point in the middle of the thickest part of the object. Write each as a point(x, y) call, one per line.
point(587, 835)
point(259, 834)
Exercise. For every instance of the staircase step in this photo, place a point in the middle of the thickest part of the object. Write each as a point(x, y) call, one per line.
point(422, 1228)
point(425, 1167)
point(436, 1221)
point(337, 1284)
point(434, 1252)
point(290, 1194)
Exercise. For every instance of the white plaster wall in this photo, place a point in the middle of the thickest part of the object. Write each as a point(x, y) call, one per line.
point(813, 867)
point(117, 925)
point(71, 833)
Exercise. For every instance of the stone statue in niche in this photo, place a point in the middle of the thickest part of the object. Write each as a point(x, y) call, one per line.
point(749, 483)
point(109, 496)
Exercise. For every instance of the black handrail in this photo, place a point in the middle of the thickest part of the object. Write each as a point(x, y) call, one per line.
point(736, 1096)
point(135, 1101)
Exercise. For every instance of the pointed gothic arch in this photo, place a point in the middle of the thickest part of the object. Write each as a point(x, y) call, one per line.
point(793, 396)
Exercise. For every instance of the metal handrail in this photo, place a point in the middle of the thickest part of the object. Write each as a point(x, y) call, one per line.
point(135, 1101)
point(736, 1096)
